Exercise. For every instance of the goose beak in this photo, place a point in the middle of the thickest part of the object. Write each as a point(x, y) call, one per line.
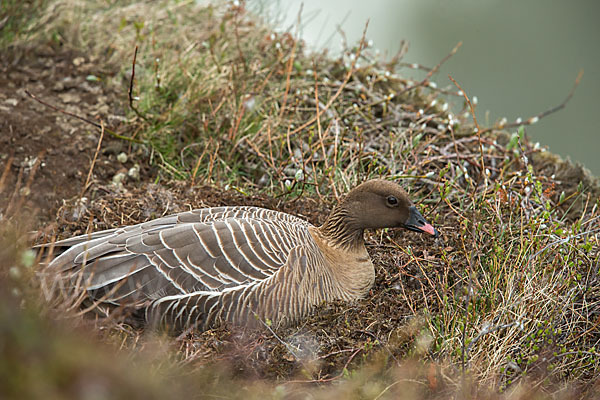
point(417, 223)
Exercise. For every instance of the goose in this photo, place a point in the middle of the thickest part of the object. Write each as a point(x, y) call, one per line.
point(238, 265)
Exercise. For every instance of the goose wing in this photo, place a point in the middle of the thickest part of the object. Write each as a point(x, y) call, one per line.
point(210, 249)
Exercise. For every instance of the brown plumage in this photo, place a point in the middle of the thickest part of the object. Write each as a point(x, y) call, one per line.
point(235, 264)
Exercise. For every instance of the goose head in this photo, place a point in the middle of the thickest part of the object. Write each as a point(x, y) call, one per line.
point(374, 204)
point(379, 203)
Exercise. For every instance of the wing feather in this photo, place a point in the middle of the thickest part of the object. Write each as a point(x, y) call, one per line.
point(206, 252)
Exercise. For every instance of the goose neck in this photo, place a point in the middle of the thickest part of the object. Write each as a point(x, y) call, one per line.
point(341, 230)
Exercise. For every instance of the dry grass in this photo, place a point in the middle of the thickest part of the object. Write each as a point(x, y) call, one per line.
point(507, 301)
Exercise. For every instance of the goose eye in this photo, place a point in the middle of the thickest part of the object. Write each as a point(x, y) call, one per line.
point(392, 201)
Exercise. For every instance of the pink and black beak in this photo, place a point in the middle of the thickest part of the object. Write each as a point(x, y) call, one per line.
point(417, 223)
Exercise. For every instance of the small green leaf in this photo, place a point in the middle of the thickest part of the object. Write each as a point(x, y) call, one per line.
point(514, 139)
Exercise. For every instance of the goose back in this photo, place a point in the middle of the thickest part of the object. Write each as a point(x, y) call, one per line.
point(203, 266)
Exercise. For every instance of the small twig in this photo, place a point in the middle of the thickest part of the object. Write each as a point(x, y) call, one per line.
point(237, 39)
point(385, 346)
point(342, 86)
point(464, 332)
point(341, 374)
point(482, 165)
point(287, 345)
point(238, 116)
point(89, 175)
point(6, 171)
point(110, 132)
point(487, 330)
point(62, 111)
point(536, 118)
point(291, 63)
point(433, 70)
point(130, 91)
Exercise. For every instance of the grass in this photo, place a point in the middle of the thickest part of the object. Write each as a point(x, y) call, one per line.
point(16, 16)
point(507, 301)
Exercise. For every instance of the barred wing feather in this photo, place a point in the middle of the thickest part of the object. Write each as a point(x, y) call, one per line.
point(211, 250)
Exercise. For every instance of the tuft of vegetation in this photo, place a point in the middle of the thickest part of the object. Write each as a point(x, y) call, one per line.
point(16, 17)
point(506, 303)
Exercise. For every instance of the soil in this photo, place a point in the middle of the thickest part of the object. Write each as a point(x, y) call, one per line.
point(46, 155)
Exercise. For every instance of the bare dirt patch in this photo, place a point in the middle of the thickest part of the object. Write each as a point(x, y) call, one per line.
point(46, 155)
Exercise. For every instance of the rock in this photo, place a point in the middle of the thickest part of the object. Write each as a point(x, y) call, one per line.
point(78, 61)
point(134, 172)
point(69, 97)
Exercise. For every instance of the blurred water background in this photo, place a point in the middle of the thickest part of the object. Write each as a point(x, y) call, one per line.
point(518, 57)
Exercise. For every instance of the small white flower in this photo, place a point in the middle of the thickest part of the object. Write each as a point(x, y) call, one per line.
point(534, 120)
point(474, 100)
point(433, 85)
point(460, 93)
point(518, 120)
point(445, 107)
